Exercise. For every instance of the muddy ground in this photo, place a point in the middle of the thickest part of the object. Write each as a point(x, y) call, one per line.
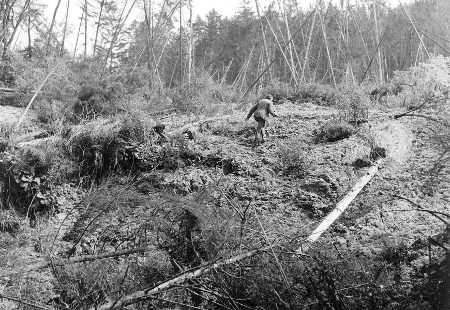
point(290, 181)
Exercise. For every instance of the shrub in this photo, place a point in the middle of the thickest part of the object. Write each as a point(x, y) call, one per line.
point(53, 113)
point(5, 133)
point(176, 154)
point(353, 106)
point(292, 158)
point(11, 68)
point(333, 131)
point(94, 149)
point(7, 71)
point(428, 82)
point(138, 77)
point(189, 97)
point(3, 145)
point(15, 99)
point(95, 281)
point(105, 145)
point(316, 93)
point(385, 89)
point(61, 85)
point(24, 173)
point(227, 93)
point(279, 90)
point(132, 129)
point(97, 99)
point(142, 101)
point(201, 95)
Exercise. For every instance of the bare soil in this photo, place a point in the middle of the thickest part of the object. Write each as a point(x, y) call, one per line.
point(291, 201)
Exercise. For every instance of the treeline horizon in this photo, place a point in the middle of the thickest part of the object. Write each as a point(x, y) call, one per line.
point(329, 43)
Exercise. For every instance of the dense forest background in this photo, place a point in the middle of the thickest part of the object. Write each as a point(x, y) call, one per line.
point(351, 42)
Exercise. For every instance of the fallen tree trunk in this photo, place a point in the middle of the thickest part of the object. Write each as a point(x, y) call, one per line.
point(145, 294)
point(340, 208)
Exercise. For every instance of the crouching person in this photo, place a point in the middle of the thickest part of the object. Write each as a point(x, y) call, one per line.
point(261, 112)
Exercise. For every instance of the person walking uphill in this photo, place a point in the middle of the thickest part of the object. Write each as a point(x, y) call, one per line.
point(261, 111)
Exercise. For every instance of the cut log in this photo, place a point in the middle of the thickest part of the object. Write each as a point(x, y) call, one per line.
point(340, 208)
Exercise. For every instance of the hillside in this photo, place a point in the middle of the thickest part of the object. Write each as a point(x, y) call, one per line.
point(199, 201)
point(131, 179)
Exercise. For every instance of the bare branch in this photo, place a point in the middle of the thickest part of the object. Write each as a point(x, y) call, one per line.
point(26, 302)
point(340, 208)
point(149, 293)
point(422, 208)
point(80, 259)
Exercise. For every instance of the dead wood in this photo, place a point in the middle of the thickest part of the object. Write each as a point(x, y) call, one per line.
point(340, 208)
point(421, 208)
point(397, 116)
point(180, 279)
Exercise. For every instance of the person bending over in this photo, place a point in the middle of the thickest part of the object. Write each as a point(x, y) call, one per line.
point(261, 111)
